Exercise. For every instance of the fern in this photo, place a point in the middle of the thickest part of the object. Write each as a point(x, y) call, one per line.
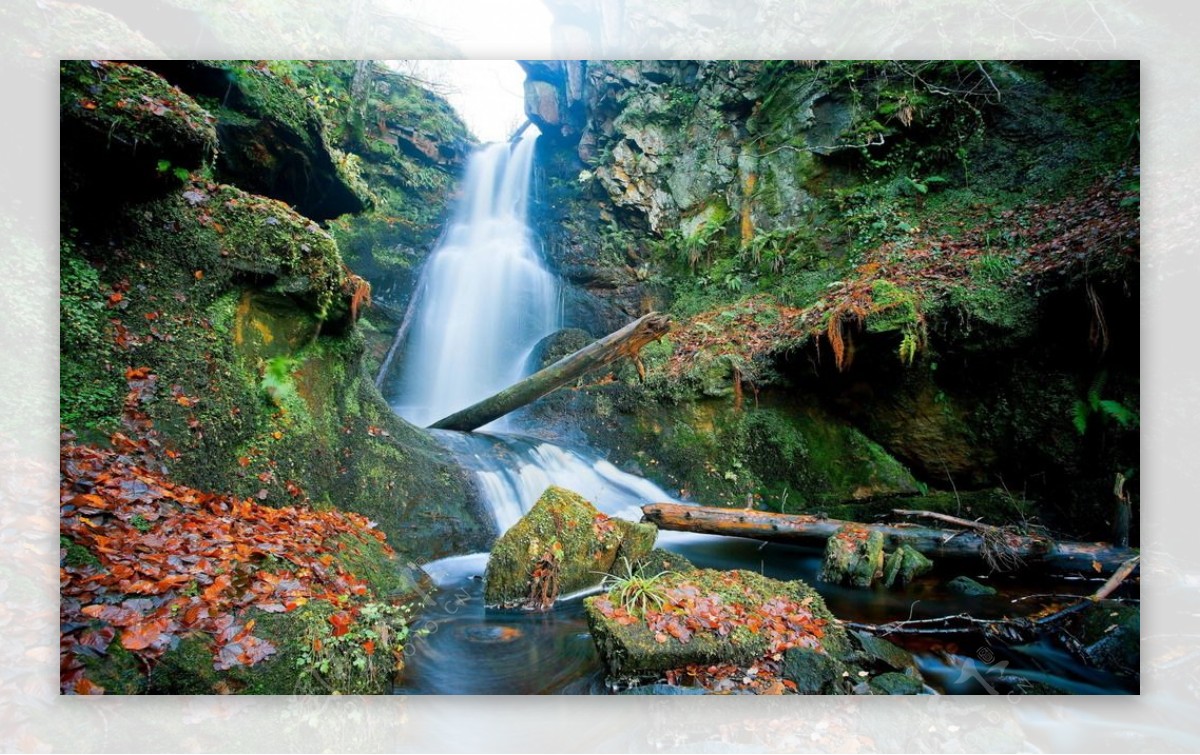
point(1118, 412)
point(1083, 409)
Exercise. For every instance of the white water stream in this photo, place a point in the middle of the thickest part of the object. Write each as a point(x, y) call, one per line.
point(484, 300)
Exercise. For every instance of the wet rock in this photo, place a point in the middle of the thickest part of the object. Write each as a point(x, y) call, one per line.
point(562, 545)
point(893, 683)
point(685, 634)
point(853, 556)
point(557, 345)
point(815, 673)
point(969, 587)
point(659, 560)
point(904, 564)
point(663, 689)
point(876, 653)
point(1110, 636)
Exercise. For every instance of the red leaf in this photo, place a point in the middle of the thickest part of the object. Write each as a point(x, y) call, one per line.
point(341, 623)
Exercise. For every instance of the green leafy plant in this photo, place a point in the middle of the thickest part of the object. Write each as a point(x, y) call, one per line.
point(1093, 405)
point(635, 592)
point(277, 379)
point(347, 651)
point(164, 166)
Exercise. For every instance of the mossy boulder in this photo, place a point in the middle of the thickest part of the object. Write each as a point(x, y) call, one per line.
point(1110, 633)
point(709, 617)
point(878, 655)
point(893, 683)
point(969, 587)
point(122, 120)
point(272, 139)
point(853, 556)
point(557, 345)
point(568, 536)
point(816, 673)
point(904, 565)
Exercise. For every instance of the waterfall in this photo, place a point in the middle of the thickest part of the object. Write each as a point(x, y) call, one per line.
point(484, 300)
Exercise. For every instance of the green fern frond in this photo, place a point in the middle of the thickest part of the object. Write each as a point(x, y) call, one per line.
point(1079, 417)
point(1119, 412)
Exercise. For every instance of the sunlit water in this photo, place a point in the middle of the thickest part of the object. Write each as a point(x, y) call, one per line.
point(484, 301)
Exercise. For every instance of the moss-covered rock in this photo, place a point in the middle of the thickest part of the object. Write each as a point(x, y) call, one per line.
point(853, 556)
point(893, 683)
point(273, 140)
point(877, 654)
point(122, 120)
point(567, 535)
point(1110, 633)
point(708, 617)
point(903, 565)
point(969, 587)
point(815, 673)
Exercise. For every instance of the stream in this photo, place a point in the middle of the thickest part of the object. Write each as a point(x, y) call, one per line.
point(484, 301)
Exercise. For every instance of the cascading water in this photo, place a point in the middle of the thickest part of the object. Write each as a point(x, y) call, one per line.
point(484, 299)
point(483, 302)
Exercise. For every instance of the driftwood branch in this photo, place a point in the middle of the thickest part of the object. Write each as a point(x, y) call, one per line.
point(626, 342)
point(1062, 556)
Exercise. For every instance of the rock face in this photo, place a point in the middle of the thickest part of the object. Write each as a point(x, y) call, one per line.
point(561, 546)
point(272, 142)
point(692, 186)
point(241, 308)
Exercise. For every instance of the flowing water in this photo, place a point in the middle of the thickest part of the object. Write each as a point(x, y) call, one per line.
point(484, 300)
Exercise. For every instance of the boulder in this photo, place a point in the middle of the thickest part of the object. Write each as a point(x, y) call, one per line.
point(904, 564)
point(1109, 633)
point(120, 120)
point(561, 546)
point(893, 683)
point(853, 556)
point(708, 617)
point(815, 673)
point(969, 587)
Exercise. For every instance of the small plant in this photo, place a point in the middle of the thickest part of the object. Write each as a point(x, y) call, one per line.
point(181, 173)
point(351, 650)
point(140, 523)
point(1092, 405)
point(636, 593)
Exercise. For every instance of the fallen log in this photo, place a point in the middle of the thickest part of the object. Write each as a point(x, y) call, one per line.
point(935, 543)
point(626, 342)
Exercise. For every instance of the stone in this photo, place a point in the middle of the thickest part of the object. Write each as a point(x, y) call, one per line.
point(893, 683)
point(814, 672)
point(875, 653)
point(631, 650)
point(969, 587)
point(853, 556)
point(904, 564)
point(564, 533)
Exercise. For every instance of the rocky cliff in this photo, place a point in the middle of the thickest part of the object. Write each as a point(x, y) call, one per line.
point(939, 257)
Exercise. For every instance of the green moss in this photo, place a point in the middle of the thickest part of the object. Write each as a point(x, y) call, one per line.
point(904, 564)
point(91, 386)
point(565, 528)
point(631, 651)
point(134, 111)
point(895, 309)
point(853, 556)
point(76, 555)
point(118, 671)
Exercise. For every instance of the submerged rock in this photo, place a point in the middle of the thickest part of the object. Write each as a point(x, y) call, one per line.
point(562, 545)
point(853, 556)
point(969, 587)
